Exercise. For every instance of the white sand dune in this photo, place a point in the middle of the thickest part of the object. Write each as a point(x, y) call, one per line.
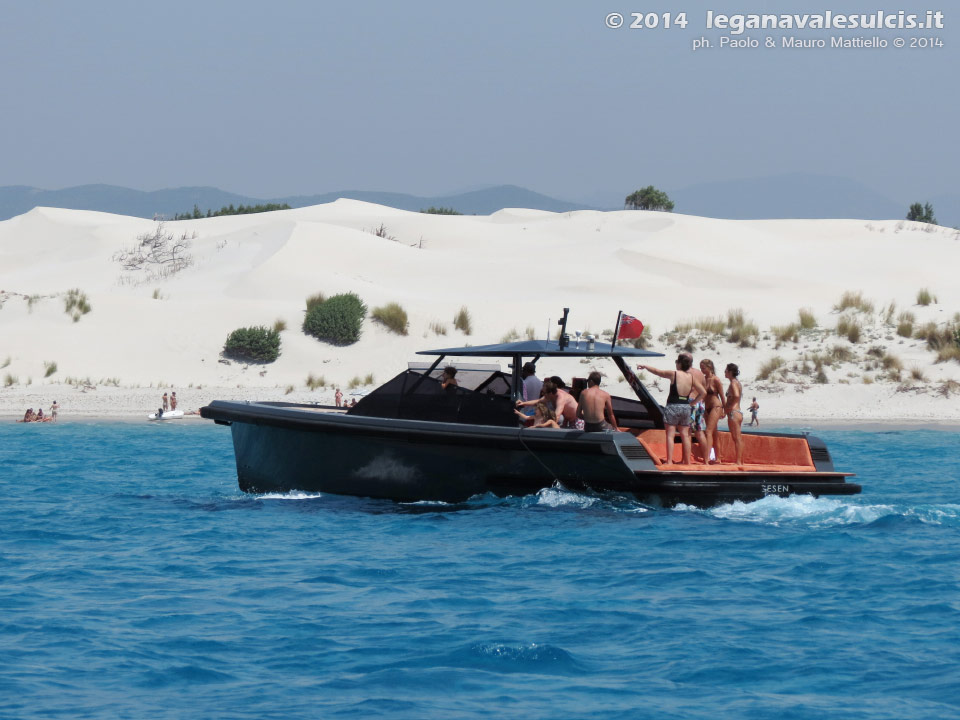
point(514, 269)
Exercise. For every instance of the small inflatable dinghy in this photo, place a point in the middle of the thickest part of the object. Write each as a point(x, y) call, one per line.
point(168, 415)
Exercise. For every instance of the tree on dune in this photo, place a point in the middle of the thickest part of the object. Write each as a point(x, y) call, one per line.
point(921, 213)
point(649, 198)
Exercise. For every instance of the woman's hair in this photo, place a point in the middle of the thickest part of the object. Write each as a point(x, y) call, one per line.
point(450, 370)
point(709, 364)
point(684, 362)
point(733, 369)
point(545, 412)
point(548, 387)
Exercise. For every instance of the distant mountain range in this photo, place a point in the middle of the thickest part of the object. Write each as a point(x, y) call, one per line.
point(783, 196)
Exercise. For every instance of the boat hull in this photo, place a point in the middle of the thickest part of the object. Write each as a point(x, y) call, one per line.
point(284, 448)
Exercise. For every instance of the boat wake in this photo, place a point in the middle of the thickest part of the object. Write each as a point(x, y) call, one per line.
point(828, 512)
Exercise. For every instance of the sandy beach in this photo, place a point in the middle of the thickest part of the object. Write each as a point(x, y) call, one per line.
point(514, 271)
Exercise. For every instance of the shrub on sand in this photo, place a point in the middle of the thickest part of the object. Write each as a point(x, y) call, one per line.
point(253, 344)
point(849, 327)
point(461, 321)
point(916, 373)
point(438, 328)
point(807, 319)
point(338, 320)
point(786, 333)
point(76, 304)
point(947, 353)
point(315, 382)
point(9, 380)
point(49, 368)
point(392, 316)
point(279, 325)
point(511, 336)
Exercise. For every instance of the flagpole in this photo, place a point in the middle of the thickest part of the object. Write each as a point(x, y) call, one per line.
point(616, 332)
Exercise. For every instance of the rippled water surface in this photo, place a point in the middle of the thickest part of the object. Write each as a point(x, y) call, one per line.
point(137, 581)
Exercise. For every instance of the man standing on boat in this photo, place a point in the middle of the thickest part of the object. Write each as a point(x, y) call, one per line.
point(698, 424)
point(595, 406)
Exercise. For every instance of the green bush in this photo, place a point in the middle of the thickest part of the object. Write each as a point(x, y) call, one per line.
point(338, 320)
point(253, 344)
point(392, 316)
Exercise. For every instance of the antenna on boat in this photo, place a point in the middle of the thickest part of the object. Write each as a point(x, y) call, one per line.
point(564, 338)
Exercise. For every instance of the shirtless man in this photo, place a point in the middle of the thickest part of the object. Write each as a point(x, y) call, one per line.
point(166, 402)
point(559, 400)
point(595, 406)
point(54, 410)
point(698, 424)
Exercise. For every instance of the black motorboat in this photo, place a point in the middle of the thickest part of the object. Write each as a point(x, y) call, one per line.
point(411, 440)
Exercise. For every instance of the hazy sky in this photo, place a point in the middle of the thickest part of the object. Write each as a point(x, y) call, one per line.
point(301, 97)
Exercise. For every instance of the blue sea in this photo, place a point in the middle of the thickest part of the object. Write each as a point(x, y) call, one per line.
point(136, 581)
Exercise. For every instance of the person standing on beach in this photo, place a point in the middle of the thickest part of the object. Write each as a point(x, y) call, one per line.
point(166, 402)
point(338, 398)
point(754, 407)
point(54, 409)
point(173, 401)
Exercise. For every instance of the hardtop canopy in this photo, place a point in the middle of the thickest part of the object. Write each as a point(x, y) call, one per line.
point(543, 348)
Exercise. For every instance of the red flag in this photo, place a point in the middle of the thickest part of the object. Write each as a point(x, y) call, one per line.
point(630, 328)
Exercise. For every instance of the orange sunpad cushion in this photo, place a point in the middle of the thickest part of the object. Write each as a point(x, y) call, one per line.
point(760, 452)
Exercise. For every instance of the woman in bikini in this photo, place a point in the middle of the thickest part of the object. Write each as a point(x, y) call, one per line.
point(677, 412)
point(732, 409)
point(713, 405)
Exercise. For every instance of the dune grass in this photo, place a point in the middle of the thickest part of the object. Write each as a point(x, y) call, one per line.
point(6, 363)
point(76, 304)
point(849, 328)
point(279, 325)
point(770, 367)
point(530, 333)
point(905, 321)
point(510, 336)
point(313, 382)
point(462, 321)
point(9, 380)
point(289, 389)
point(925, 297)
point(807, 319)
point(916, 373)
point(438, 328)
point(786, 333)
point(947, 353)
point(315, 300)
point(855, 301)
point(393, 317)
point(49, 368)
point(715, 325)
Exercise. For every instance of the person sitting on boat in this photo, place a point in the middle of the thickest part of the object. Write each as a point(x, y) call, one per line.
point(159, 413)
point(449, 378)
point(595, 406)
point(532, 385)
point(543, 417)
point(713, 404)
point(560, 401)
point(732, 409)
point(677, 412)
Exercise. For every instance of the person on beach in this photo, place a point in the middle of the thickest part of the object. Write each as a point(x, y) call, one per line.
point(159, 413)
point(39, 417)
point(697, 412)
point(338, 398)
point(677, 412)
point(713, 409)
point(54, 409)
point(166, 402)
point(732, 409)
point(595, 406)
point(754, 408)
point(28, 416)
point(448, 380)
point(560, 401)
point(543, 417)
point(173, 401)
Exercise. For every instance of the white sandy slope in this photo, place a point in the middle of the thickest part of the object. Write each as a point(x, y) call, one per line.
point(514, 269)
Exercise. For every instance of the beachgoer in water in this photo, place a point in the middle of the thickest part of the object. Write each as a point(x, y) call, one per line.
point(54, 409)
point(732, 409)
point(754, 408)
point(677, 412)
point(449, 378)
point(338, 397)
point(698, 422)
point(166, 402)
point(713, 408)
point(560, 401)
point(595, 406)
point(173, 401)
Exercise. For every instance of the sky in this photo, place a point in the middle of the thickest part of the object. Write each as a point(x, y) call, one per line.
point(303, 97)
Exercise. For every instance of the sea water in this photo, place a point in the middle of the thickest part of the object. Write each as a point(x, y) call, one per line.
point(136, 581)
